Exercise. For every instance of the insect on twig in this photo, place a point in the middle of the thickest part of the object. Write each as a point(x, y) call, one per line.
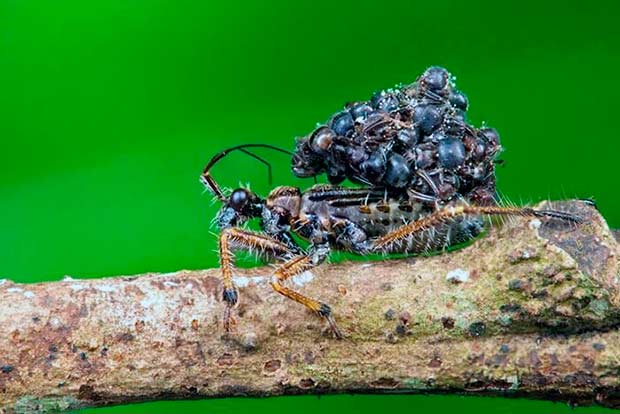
point(329, 217)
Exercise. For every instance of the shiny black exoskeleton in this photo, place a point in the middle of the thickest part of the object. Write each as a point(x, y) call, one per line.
point(412, 140)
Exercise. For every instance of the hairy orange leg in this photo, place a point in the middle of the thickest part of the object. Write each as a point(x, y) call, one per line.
point(295, 266)
point(236, 238)
point(446, 214)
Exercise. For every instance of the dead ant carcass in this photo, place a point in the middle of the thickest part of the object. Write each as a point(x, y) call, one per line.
point(329, 217)
point(413, 140)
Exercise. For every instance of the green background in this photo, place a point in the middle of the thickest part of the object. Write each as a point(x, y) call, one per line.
point(110, 108)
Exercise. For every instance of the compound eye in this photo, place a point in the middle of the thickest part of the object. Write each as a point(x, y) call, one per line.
point(238, 199)
point(322, 139)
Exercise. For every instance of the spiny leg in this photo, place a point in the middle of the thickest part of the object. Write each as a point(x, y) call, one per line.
point(295, 266)
point(234, 237)
point(453, 212)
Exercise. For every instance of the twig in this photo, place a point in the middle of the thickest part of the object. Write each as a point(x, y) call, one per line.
point(530, 309)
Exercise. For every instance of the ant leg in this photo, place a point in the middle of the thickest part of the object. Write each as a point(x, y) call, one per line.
point(295, 266)
point(447, 214)
point(235, 238)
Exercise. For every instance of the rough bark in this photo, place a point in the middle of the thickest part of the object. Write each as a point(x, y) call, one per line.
point(529, 309)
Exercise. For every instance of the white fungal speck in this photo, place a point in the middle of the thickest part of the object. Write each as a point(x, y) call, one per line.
point(55, 323)
point(67, 278)
point(156, 303)
point(457, 276)
point(14, 290)
point(169, 283)
point(243, 281)
point(150, 300)
point(189, 286)
point(76, 287)
point(513, 380)
point(365, 265)
point(28, 294)
point(106, 288)
point(535, 224)
point(2, 281)
point(303, 278)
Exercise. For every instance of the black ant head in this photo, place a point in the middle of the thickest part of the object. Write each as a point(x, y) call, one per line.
point(241, 206)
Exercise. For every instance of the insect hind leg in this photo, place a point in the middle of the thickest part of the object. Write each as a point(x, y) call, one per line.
point(449, 214)
point(298, 265)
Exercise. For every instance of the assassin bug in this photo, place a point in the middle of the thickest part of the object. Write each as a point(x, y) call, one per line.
point(329, 217)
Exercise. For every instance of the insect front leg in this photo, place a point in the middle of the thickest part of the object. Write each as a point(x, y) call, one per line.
point(448, 214)
point(299, 264)
point(237, 238)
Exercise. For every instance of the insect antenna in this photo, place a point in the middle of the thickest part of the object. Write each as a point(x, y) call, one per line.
point(262, 160)
point(212, 185)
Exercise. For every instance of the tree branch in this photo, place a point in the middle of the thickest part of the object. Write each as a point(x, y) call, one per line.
point(530, 309)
